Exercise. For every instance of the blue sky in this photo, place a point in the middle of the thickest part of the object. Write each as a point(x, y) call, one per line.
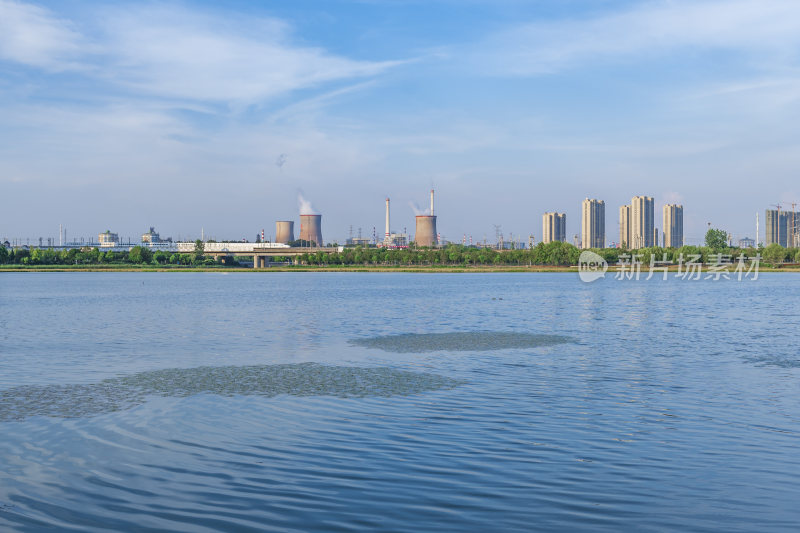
point(126, 115)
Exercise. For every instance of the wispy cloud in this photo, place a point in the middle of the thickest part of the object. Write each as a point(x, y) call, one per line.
point(196, 56)
point(174, 52)
point(34, 36)
point(749, 26)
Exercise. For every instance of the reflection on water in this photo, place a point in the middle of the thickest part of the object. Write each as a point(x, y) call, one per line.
point(675, 408)
point(460, 341)
point(301, 379)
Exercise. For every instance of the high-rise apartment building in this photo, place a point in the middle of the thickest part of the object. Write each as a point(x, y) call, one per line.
point(625, 226)
point(642, 223)
point(673, 226)
point(593, 224)
point(783, 228)
point(554, 227)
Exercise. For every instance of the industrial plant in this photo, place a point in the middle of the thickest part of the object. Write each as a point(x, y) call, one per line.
point(636, 230)
point(425, 234)
point(284, 231)
point(311, 229)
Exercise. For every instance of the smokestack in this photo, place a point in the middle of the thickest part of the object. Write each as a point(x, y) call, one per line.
point(387, 218)
point(284, 231)
point(311, 228)
point(432, 213)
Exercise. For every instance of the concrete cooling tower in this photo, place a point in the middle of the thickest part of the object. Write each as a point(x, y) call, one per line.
point(311, 228)
point(426, 228)
point(284, 231)
point(426, 231)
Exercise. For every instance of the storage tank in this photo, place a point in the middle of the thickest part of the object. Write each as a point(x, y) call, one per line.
point(284, 231)
point(311, 228)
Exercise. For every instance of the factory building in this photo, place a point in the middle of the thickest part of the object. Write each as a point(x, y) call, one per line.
point(390, 238)
point(151, 237)
point(108, 239)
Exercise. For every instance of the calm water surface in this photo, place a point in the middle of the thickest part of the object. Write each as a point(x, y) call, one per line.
point(397, 402)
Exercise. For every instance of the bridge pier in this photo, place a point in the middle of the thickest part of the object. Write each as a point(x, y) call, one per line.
point(260, 261)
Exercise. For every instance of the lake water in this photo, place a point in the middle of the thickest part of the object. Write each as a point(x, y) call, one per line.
point(398, 402)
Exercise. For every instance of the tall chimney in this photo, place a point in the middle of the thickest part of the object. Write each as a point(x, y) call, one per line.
point(387, 218)
point(432, 202)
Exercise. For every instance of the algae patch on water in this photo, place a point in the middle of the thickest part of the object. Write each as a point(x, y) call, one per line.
point(300, 379)
point(460, 341)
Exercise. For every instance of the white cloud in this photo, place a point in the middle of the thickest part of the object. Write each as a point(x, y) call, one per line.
point(177, 53)
point(771, 26)
point(33, 36)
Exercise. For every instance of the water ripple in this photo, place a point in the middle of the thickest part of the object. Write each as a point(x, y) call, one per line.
point(299, 379)
point(460, 341)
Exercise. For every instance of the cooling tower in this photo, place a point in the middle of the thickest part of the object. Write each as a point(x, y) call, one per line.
point(426, 231)
point(284, 231)
point(311, 228)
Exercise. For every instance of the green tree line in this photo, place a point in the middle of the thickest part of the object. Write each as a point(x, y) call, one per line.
point(551, 254)
point(138, 255)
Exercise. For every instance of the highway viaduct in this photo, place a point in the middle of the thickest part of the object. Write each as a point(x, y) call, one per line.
point(262, 256)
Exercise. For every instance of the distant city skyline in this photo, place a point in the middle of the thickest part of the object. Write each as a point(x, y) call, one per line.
point(639, 233)
point(196, 115)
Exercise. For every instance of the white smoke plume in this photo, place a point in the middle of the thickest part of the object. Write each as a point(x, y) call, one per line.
point(305, 206)
point(417, 211)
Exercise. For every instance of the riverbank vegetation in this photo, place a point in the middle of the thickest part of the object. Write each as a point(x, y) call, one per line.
point(138, 255)
point(555, 254)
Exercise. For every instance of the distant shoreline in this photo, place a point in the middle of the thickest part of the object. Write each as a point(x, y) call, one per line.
point(308, 268)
